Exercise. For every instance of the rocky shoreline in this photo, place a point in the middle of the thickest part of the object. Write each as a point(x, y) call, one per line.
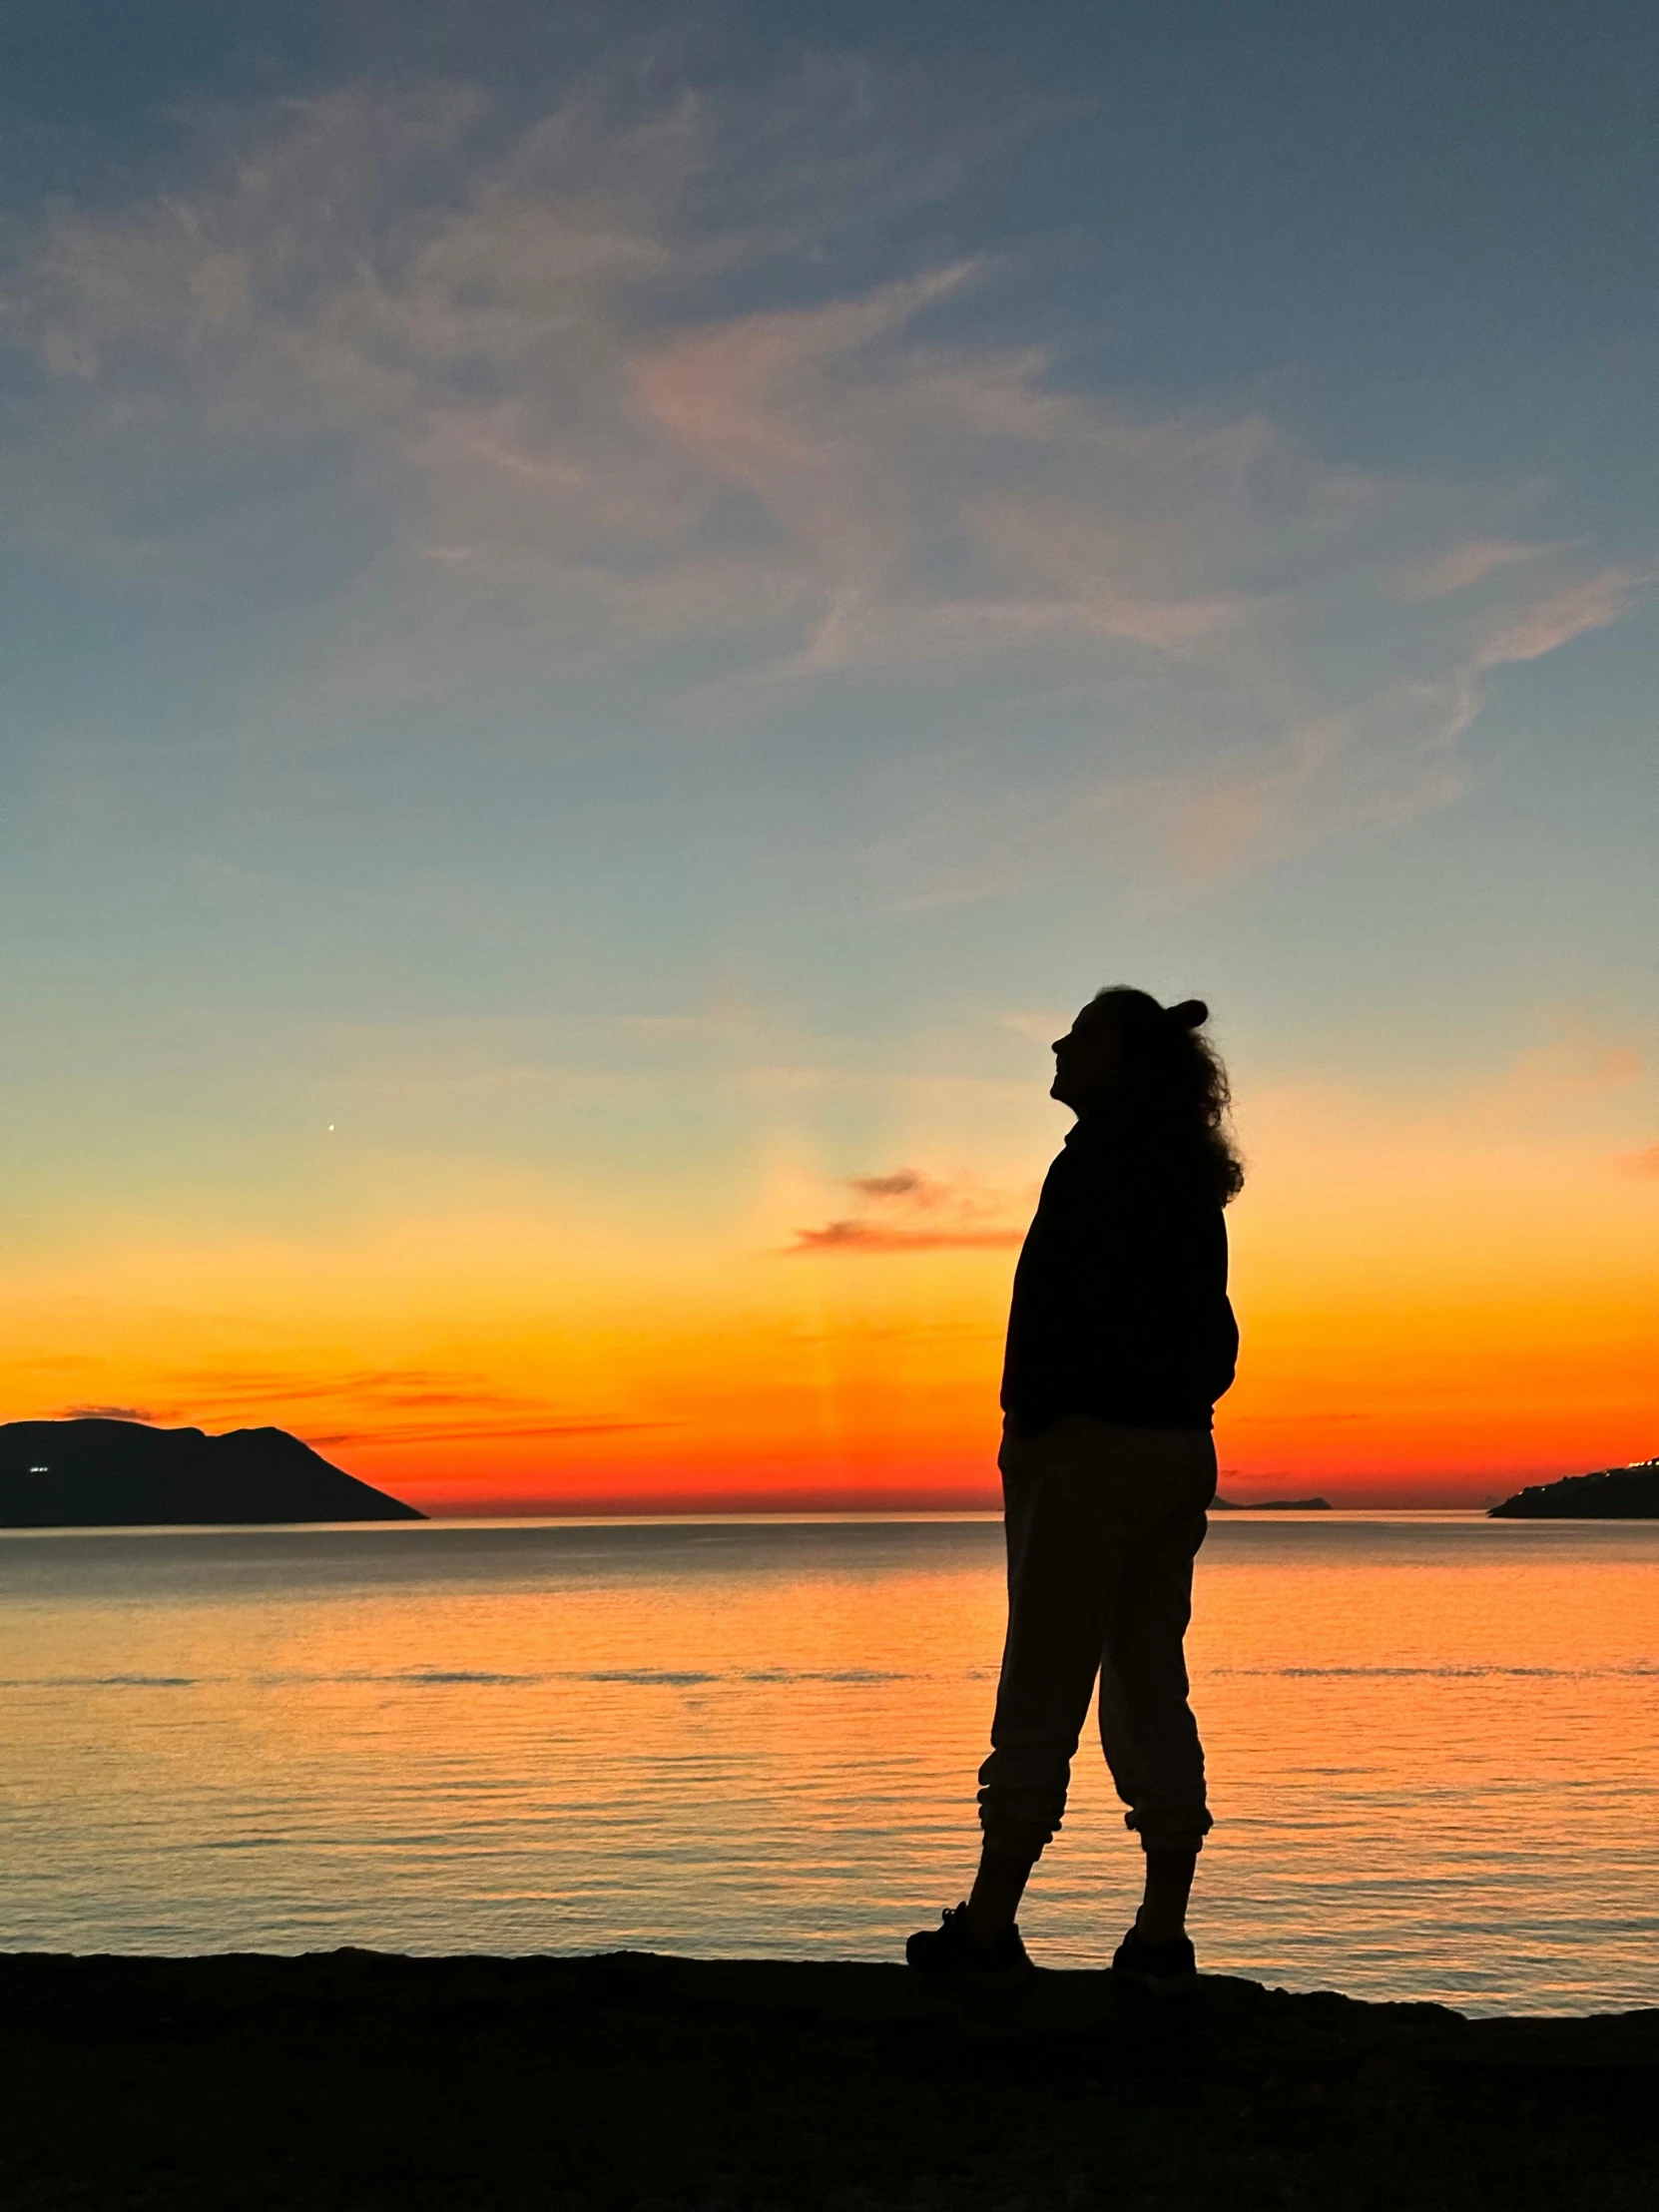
point(356, 2081)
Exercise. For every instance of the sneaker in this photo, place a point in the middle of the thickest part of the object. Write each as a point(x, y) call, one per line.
point(950, 1948)
point(1167, 1969)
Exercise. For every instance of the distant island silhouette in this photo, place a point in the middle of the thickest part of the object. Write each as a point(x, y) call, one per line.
point(100, 1473)
point(1269, 1505)
point(1614, 1493)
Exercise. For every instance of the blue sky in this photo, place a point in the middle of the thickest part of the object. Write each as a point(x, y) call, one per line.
point(570, 571)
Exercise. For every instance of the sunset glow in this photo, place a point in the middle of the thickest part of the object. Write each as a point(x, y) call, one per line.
point(1433, 1309)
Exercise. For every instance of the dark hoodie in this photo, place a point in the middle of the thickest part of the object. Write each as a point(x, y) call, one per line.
point(1120, 1305)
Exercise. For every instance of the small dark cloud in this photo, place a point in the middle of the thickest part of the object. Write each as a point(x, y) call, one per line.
point(109, 1412)
point(903, 1183)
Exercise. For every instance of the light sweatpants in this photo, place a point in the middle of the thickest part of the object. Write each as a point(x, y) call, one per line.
point(1102, 1526)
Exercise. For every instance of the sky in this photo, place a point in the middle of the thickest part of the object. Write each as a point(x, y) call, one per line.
point(610, 617)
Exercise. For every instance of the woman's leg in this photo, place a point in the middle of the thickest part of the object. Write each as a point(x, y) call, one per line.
point(993, 1901)
point(1147, 1728)
point(1065, 1556)
point(1169, 1884)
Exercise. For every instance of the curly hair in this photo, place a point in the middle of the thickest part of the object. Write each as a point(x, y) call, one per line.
point(1174, 1075)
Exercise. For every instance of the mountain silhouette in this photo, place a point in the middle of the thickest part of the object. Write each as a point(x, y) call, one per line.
point(99, 1473)
point(1615, 1493)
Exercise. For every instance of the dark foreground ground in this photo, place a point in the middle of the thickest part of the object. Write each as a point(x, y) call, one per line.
point(356, 2080)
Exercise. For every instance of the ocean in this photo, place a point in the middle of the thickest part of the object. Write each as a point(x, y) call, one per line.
point(1434, 1743)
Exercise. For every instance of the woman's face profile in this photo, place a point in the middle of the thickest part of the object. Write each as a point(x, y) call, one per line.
point(1086, 1063)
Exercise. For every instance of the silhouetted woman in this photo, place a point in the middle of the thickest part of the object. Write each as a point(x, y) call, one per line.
point(1120, 1341)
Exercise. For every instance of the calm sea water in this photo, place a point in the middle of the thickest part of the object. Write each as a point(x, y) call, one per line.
point(1434, 1743)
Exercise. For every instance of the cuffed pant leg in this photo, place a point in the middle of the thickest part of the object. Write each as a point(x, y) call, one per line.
point(1064, 1558)
point(1147, 1728)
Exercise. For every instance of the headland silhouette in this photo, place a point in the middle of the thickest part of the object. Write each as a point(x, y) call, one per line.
point(1611, 1493)
point(101, 1474)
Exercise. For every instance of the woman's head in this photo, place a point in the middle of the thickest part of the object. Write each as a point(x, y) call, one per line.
point(1150, 1062)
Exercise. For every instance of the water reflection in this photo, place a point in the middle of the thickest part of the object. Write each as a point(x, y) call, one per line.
point(1433, 1744)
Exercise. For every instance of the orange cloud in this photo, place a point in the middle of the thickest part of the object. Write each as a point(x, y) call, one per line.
point(867, 1236)
point(916, 1213)
point(1442, 1296)
point(363, 1406)
point(467, 1432)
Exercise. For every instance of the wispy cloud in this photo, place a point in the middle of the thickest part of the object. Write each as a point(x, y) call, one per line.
point(1462, 567)
point(1580, 1061)
point(499, 366)
point(390, 1387)
point(372, 1405)
point(1528, 632)
point(478, 1432)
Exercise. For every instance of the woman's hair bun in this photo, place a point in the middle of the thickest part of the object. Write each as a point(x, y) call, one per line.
point(1192, 1013)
